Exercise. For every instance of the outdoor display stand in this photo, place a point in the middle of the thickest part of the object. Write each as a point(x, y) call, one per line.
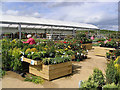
point(101, 51)
point(49, 72)
point(88, 46)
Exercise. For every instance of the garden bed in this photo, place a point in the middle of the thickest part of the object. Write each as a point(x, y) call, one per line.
point(50, 72)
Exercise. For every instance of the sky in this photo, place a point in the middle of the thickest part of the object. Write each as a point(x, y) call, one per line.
point(102, 14)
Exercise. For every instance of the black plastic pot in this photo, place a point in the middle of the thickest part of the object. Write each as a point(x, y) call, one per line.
point(108, 57)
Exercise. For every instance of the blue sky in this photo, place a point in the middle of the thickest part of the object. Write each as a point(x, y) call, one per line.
point(102, 14)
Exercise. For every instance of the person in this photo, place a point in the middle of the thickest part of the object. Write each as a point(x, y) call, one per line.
point(30, 40)
point(92, 38)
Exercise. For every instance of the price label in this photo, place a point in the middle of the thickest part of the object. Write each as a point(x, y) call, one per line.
point(21, 58)
point(32, 62)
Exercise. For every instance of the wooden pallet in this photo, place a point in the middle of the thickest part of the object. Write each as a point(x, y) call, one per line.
point(30, 61)
point(50, 72)
point(101, 51)
point(88, 46)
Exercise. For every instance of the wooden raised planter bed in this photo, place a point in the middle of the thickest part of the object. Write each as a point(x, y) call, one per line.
point(88, 46)
point(49, 72)
point(101, 51)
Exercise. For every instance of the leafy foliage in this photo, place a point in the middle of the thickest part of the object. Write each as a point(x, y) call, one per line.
point(34, 79)
point(2, 73)
point(95, 80)
point(111, 73)
point(110, 86)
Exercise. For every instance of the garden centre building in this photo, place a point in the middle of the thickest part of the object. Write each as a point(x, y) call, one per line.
point(44, 27)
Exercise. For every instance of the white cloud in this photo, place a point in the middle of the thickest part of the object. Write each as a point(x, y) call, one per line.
point(83, 13)
point(109, 27)
point(36, 14)
point(11, 12)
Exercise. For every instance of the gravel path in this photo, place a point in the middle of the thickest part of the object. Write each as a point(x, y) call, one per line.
point(81, 71)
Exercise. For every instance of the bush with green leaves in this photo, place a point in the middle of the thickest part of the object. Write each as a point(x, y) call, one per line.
point(110, 86)
point(2, 73)
point(16, 64)
point(98, 77)
point(95, 80)
point(34, 79)
point(89, 84)
point(111, 73)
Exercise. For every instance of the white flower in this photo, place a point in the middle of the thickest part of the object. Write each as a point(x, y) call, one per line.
point(54, 61)
point(32, 52)
point(81, 54)
point(78, 53)
point(87, 50)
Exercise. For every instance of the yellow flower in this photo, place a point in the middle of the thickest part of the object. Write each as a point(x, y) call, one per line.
point(81, 46)
point(28, 50)
point(33, 50)
point(118, 67)
point(117, 59)
point(69, 47)
point(13, 41)
point(45, 48)
point(66, 48)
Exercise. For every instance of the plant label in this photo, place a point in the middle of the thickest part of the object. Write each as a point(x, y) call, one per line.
point(32, 62)
point(21, 58)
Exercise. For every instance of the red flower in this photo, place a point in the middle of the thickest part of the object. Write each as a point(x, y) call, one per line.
point(80, 41)
point(109, 39)
point(61, 41)
point(65, 42)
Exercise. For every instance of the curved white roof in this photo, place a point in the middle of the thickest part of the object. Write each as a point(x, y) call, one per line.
point(33, 20)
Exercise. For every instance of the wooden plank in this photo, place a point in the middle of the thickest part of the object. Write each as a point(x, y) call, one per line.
point(88, 46)
point(101, 51)
point(60, 74)
point(50, 72)
point(39, 62)
point(57, 71)
point(39, 73)
point(36, 67)
point(55, 66)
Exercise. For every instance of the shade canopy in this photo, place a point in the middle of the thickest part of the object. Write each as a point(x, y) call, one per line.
point(32, 22)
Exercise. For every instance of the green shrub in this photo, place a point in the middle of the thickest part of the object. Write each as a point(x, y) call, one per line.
point(111, 73)
point(95, 80)
point(89, 84)
point(2, 73)
point(112, 85)
point(98, 77)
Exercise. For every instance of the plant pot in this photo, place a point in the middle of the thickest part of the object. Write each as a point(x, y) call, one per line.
point(108, 57)
point(78, 60)
point(85, 57)
point(113, 57)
